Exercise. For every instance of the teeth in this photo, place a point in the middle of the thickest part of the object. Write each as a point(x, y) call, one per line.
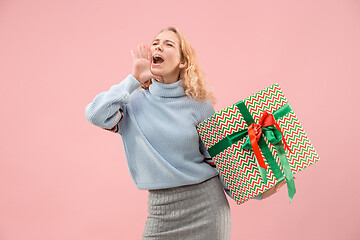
point(157, 56)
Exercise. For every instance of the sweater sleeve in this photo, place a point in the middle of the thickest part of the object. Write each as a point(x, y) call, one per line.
point(206, 112)
point(108, 108)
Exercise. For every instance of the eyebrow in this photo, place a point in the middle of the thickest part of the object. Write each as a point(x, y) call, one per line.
point(165, 40)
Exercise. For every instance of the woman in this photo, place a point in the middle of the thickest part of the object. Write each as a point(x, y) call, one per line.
point(164, 153)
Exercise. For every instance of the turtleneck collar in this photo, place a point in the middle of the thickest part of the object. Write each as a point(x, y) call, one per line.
point(167, 90)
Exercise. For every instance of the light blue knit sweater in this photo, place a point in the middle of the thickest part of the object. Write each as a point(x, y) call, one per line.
point(158, 129)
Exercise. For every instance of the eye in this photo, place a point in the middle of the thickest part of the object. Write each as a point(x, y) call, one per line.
point(170, 45)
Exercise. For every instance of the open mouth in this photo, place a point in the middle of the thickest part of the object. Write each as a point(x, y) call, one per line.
point(157, 60)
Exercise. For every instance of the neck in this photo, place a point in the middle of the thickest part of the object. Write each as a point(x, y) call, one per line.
point(168, 79)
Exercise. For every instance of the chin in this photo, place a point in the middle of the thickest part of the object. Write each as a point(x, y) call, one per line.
point(156, 72)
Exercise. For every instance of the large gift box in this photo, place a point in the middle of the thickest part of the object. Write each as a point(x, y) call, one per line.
point(257, 143)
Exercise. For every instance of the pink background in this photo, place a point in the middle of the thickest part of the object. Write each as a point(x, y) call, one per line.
point(63, 178)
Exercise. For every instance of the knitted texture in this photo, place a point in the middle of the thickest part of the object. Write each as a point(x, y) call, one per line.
point(158, 129)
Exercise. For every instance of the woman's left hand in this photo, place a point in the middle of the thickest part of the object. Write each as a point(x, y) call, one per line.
point(273, 190)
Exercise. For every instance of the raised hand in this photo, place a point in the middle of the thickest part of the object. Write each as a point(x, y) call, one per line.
point(142, 64)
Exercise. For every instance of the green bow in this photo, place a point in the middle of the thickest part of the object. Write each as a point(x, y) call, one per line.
point(272, 134)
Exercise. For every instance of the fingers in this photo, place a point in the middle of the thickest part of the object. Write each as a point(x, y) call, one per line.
point(134, 57)
point(146, 51)
point(149, 53)
point(142, 55)
point(143, 51)
point(279, 185)
point(139, 50)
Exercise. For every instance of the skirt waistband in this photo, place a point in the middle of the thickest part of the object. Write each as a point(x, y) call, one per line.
point(184, 188)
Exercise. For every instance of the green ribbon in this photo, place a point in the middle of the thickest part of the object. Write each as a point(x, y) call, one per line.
point(273, 135)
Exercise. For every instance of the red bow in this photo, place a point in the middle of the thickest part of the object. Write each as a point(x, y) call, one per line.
point(255, 131)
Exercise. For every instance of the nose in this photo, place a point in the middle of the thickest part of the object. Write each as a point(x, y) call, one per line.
point(158, 47)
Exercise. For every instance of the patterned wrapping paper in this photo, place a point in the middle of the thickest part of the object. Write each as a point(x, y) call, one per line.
point(239, 167)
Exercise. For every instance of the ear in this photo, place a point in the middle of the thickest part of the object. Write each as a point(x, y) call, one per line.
point(182, 64)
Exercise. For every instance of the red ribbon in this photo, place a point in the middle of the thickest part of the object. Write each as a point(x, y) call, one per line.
point(255, 131)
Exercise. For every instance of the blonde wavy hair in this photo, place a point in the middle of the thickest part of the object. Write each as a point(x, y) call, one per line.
point(192, 75)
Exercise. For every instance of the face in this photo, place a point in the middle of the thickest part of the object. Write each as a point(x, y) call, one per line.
point(166, 53)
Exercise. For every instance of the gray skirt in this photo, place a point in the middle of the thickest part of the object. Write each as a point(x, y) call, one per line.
point(194, 212)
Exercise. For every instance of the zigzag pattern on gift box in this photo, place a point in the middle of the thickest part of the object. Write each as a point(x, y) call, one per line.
point(209, 132)
point(230, 170)
point(268, 99)
point(238, 167)
point(252, 182)
point(228, 120)
point(303, 153)
point(241, 177)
